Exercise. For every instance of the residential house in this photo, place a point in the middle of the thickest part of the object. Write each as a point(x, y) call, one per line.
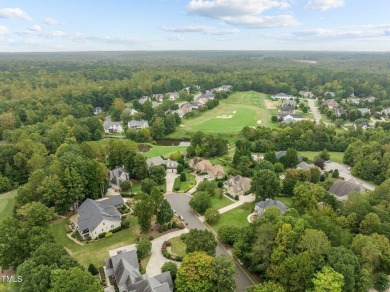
point(282, 153)
point(363, 125)
point(97, 110)
point(339, 112)
point(186, 108)
point(268, 203)
point(305, 166)
point(173, 95)
point(364, 111)
point(205, 97)
point(237, 185)
point(118, 175)
point(143, 99)
point(155, 104)
point(288, 105)
point(306, 94)
point(289, 118)
point(341, 188)
point(386, 111)
point(158, 97)
point(130, 111)
point(196, 105)
point(124, 268)
point(157, 161)
point(205, 166)
point(112, 127)
point(330, 93)
point(354, 100)
point(282, 96)
point(96, 217)
point(331, 103)
point(370, 99)
point(138, 125)
point(224, 88)
point(197, 87)
point(257, 157)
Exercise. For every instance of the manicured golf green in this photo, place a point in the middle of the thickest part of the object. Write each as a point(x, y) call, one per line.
point(164, 151)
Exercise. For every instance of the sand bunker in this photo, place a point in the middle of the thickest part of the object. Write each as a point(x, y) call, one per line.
point(259, 122)
point(234, 112)
point(225, 117)
point(181, 126)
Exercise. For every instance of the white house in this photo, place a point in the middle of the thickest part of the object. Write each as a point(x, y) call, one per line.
point(97, 110)
point(137, 125)
point(173, 95)
point(282, 96)
point(112, 127)
point(290, 118)
point(158, 97)
point(96, 217)
point(224, 88)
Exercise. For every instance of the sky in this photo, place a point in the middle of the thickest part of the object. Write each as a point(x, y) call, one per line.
point(127, 25)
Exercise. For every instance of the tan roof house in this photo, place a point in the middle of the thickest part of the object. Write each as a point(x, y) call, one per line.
point(237, 185)
point(205, 166)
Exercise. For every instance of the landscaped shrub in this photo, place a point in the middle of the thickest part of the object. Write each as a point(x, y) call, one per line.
point(220, 184)
point(236, 197)
point(101, 235)
point(168, 243)
point(183, 236)
point(174, 225)
point(144, 246)
point(108, 234)
point(181, 225)
point(169, 225)
point(74, 235)
point(167, 255)
point(183, 177)
point(165, 228)
point(92, 269)
point(102, 277)
point(177, 188)
point(151, 237)
point(125, 224)
point(161, 229)
point(115, 230)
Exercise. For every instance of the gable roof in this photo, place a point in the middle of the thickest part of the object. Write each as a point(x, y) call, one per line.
point(92, 213)
point(108, 124)
point(137, 124)
point(364, 111)
point(289, 103)
point(262, 205)
point(158, 160)
point(342, 188)
point(304, 165)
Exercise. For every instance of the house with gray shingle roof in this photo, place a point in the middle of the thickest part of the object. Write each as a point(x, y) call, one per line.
point(124, 268)
point(305, 166)
point(97, 110)
point(268, 203)
point(157, 161)
point(342, 188)
point(118, 175)
point(111, 127)
point(96, 217)
point(173, 95)
point(138, 125)
point(144, 99)
point(364, 111)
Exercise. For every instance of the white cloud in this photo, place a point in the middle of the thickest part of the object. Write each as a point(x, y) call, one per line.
point(51, 21)
point(176, 38)
point(3, 30)
point(188, 28)
point(35, 28)
point(14, 13)
point(324, 5)
point(101, 39)
point(224, 31)
point(243, 12)
point(54, 34)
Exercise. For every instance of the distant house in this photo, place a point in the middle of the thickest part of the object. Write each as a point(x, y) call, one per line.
point(205, 97)
point(386, 111)
point(280, 154)
point(158, 97)
point(96, 217)
point(339, 112)
point(370, 99)
point(118, 175)
point(97, 110)
point(342, 188)
point(197, 87)
point(196, 105)
point(157, 161)
point(354, 100)
point(112, 127)
point(330, 93)
point(306, 94)
point(268, 203)
point(130, 111)
point(173, 95)
point(331, 103)
point(155, 104)
point(288, 105)
point(364, 111)
point(124, 267)
point(184, 108)
point(237, 185)
point(305, 166)
point(137, 125)
point(143, 99)
point(205, 166)
point(363, 125)
point(282, 96)
point(288, 118)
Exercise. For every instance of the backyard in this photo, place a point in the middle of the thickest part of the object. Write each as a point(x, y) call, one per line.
point(7, 204)
point(97, 251)
point(236, 217)
point(334, 156)
point(164, 151)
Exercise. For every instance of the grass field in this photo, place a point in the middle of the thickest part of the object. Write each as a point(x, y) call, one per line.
point(285, 200)
point(334, 156)
point(236, 217)
point(240, 109)
point(164, 151)
point(184, 186)
point(97, 251)
point(218, 203)
point(7, 204)
point(178, 246)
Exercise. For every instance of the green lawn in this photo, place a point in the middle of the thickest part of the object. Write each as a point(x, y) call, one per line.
point(218, 203)
point(178, 246)
point(184, 186)
point(164, 151)
point(236, 217)
point(285, 200)
point(7, 204)
point(136, 186)
point(334, 156)
point(97, 251)
point(240, 109)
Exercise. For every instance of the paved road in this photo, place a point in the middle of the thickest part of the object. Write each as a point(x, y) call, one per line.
point(179, 202)
point(314, 110)
point(343, 172)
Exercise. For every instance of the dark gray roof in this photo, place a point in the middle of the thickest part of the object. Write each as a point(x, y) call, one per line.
point(342, 188)
point(282, 153)
point(304, 165)
point(91, 213)
point(291, 103)
point(270, 203)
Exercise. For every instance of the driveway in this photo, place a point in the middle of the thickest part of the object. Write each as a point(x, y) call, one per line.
point(180, 203)
point(157, 259)
point(314, 110)
point(343, 172)
point(170, 179)
point(243, 199)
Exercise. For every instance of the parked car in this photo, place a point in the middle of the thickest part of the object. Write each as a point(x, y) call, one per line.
point(181, 217)
point(349, 168)
point(174, 211)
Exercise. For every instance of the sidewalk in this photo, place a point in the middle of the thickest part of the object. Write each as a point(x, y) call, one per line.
point(157, 259)
point(243, 199)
